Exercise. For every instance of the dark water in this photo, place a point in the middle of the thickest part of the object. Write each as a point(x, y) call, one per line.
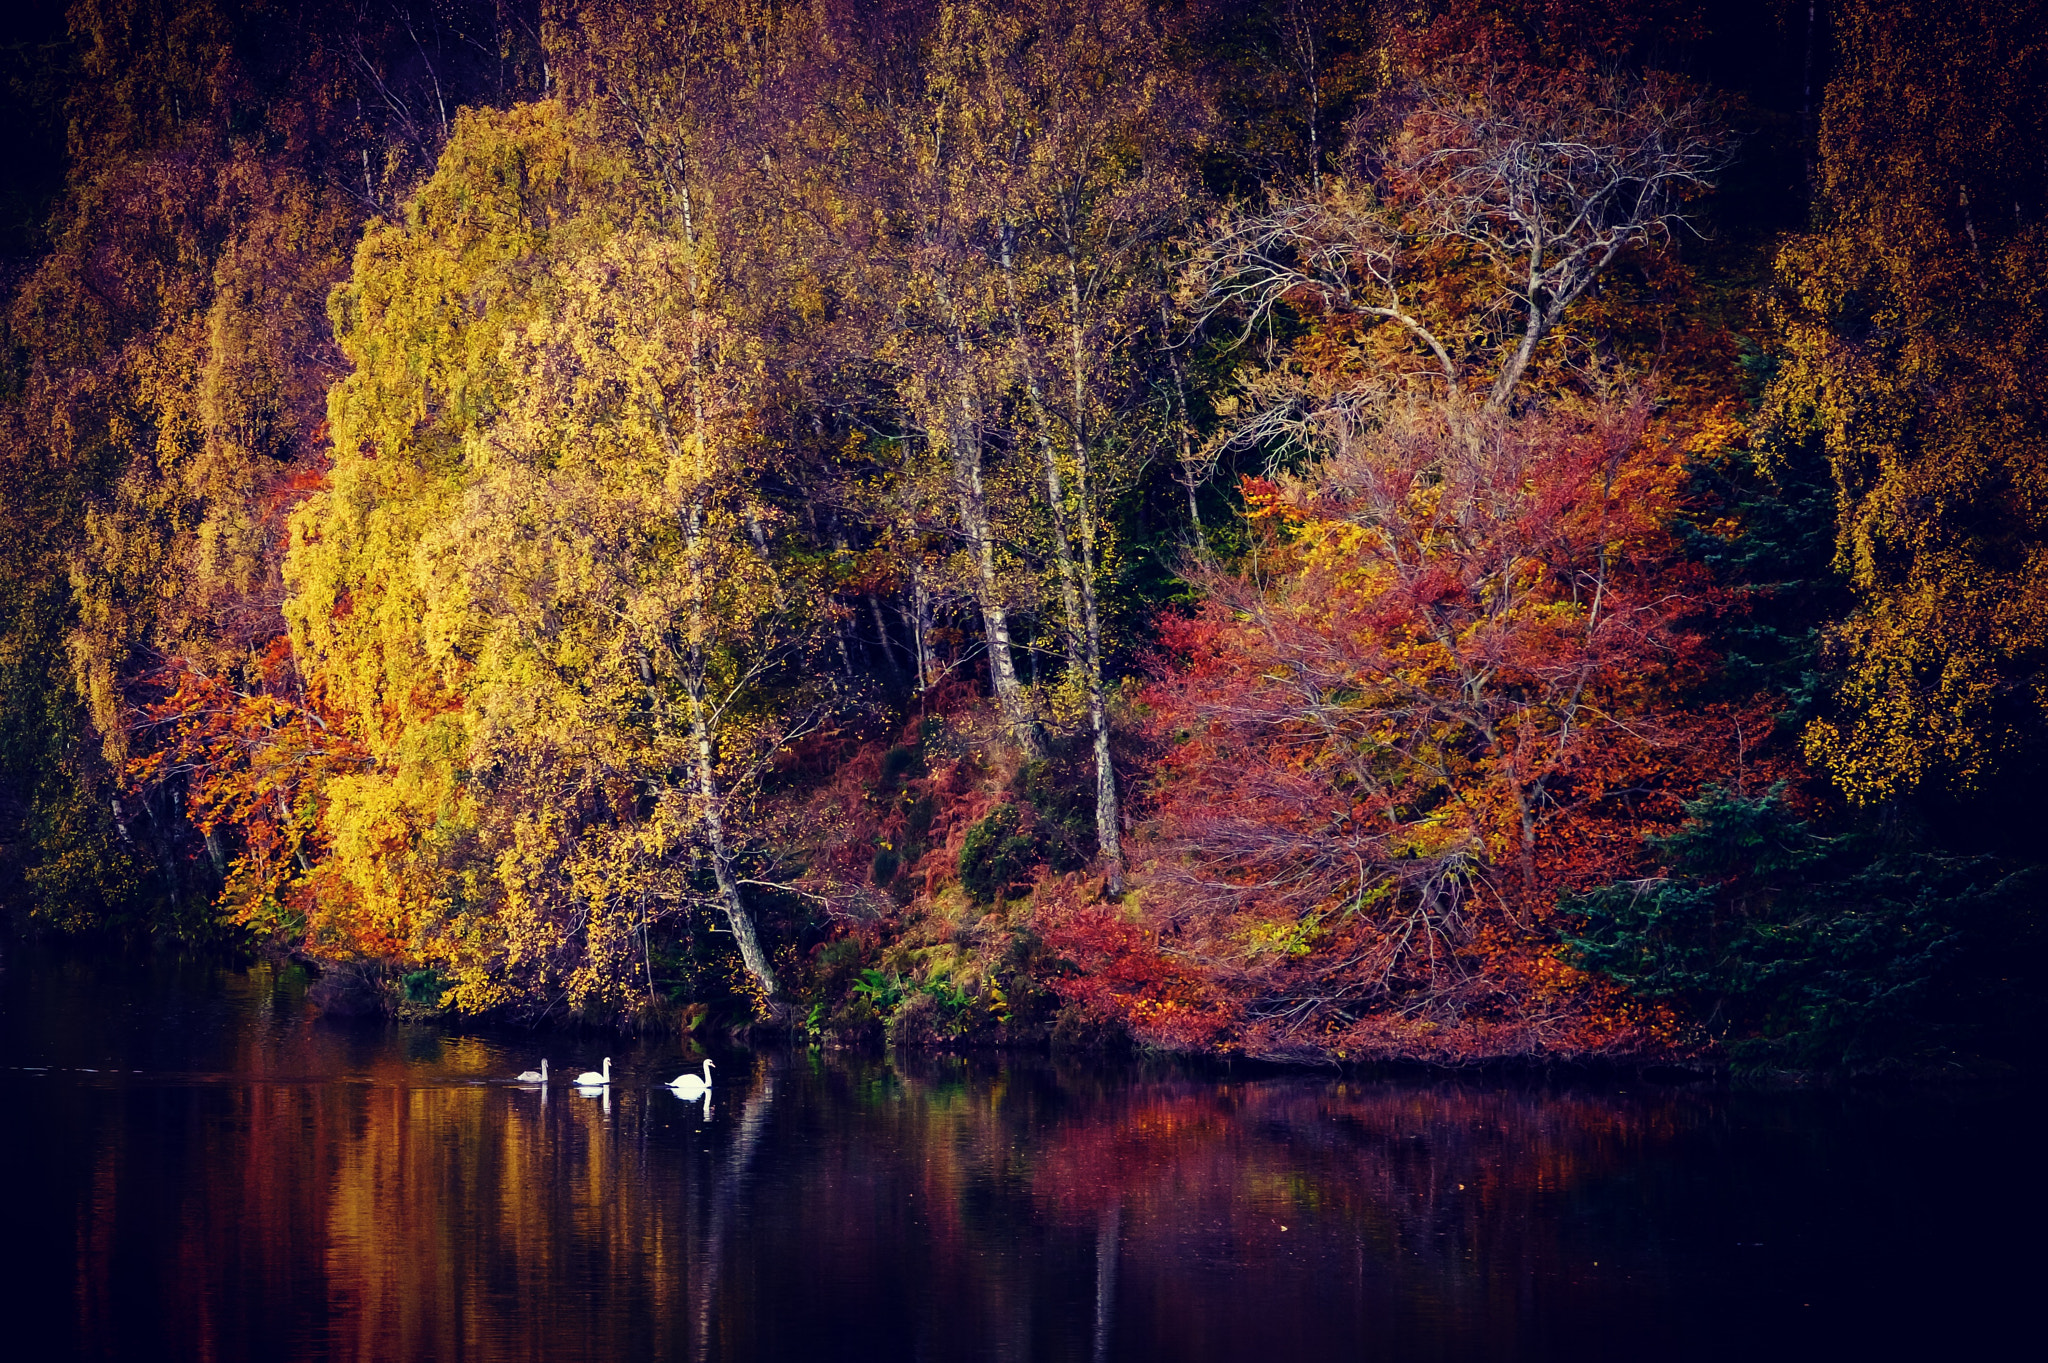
point(200, 1168)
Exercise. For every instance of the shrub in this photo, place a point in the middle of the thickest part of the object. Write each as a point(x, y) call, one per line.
point(1806, 950)
point(916, 1022)
point(996, 855)
point(1062, 795)
point(422, 987)
point(897, 763)
point(883, 868)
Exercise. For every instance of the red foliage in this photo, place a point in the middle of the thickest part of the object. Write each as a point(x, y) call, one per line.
point(1449, 690)
point(252, 761)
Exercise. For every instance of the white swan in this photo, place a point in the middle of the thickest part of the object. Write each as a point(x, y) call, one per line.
point(690, 1086)
point(539, 1076)
point(591, 1079)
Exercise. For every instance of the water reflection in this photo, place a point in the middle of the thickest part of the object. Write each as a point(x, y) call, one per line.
point(244, 1180)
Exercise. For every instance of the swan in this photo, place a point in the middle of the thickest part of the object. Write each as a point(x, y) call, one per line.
point(689, 1085)
point(592, 1079)
point(539, 1076)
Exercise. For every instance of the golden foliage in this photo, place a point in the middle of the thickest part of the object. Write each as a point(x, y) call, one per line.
point(1913, 329)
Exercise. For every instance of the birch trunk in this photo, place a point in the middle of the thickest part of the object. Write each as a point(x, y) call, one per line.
point(711, 824)
point(709, 799)
point(1077, 581)
point(1108, 817)
point(973, 500)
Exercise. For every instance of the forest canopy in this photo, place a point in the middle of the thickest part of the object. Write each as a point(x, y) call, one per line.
point(1314, 530)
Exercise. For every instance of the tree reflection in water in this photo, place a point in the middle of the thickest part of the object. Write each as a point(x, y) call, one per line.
point(281, 1187)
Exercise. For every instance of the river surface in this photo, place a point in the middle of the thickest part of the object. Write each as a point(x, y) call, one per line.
point(202, 1168)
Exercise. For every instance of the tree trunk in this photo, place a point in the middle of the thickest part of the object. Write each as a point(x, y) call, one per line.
point(1108, 818)
point(1200, 543)
point(1055, 496)
point(973, 499)
point(711, 823)
point(710, 814)
point(1077, 582)
point(921, 628)
point(1807, 142)
point(882, 636)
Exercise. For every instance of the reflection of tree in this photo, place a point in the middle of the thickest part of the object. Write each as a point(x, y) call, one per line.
point(942, 1206)
point(950, 1207)
point(1411, 1196)
point(1108, 1229)
point(724, 1197)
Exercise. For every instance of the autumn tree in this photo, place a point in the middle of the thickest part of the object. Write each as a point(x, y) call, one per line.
point(551, 585)
point(1913, 331)
point(425, 320)
point(1442, 684)
point(1079, 136)
point(625, 631)
point(1470, 225)
point(175, 348)
point(943, 335)
point(1427, 705)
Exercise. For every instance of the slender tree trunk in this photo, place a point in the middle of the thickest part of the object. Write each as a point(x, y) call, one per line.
point(921, 628)
point(1077, 582)
point(1806, 138)
point(1108, 815)
point(711, 821)
point(646, 949)
point(882, 634)
point(1301, 35)
point(709, 799)
point(1055, 497)
point(704, 757)
point(284, 823)
point(703, 763)
point(965, 440)
point(963, 437)
point(1185, 450)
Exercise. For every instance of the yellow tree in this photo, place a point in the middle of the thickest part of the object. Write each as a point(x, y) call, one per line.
point(422, 321)
point(1913, 334)
point(544, 583)
point(631, 653)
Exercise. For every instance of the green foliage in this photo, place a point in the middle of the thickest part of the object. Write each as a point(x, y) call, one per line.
point(899, 762)
point(1799, 949)
point(880, 990)
point(422, 988)
point(1061, 794)
point(996, 855)
point(1764, 524)
point(77, 869)
point(84, 876)
point(918, 815)
point(883, 868)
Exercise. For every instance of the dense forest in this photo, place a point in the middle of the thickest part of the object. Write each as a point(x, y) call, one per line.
point(1321, 530)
